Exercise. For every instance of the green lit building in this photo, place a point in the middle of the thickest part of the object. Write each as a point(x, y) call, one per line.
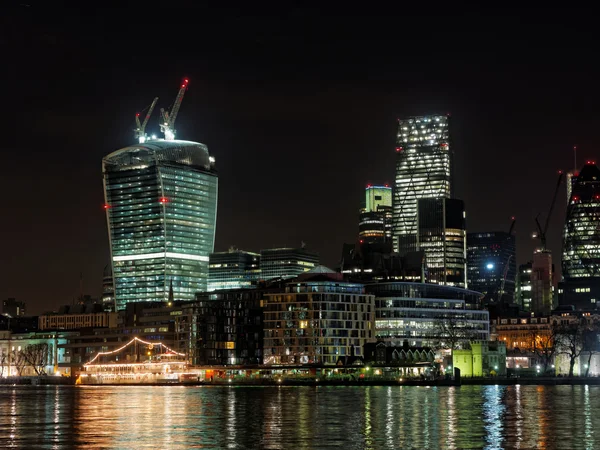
point(161, 210)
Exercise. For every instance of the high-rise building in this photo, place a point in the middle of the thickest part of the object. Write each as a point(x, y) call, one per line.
point(161, 210)
point(441, 235)
point(234, 269)
point(423, 170)
point(524, 286)
point(108, 289)
point(542, 282)
point(581, 241)
point(491, 264)
point(286, 262)
point(375, 219)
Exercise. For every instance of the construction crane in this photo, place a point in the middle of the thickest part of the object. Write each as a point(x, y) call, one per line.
point(167, 125)
point(541, 232)
point(140, 131)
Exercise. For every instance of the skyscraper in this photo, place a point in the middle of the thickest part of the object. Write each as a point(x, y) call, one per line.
point(161, 209)
point(524, 286)
point(491, 264)
point(581, 241)
point(375, 219)
point(441, 235)
point(423, 170)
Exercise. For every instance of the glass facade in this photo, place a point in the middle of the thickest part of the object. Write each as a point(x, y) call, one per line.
point(375, 219)
point(411, 311)
point(286, 262)
point(581, 237)
point(234, 269)
point(524, 286)
point(491, 258)
point(441, 235)
point(423, 170)
point(161, 207)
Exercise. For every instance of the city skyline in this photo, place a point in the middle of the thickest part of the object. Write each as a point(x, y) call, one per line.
point(283, 132)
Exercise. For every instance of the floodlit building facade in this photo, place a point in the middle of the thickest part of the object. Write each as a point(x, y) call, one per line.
point(423, 170)
point(286, 262)
point(491, 264)
point(161, 209)
point(234, 269)
point(412, 312)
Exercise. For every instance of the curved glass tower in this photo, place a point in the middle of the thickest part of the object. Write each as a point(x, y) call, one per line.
point(161, 210)
point(581, 238)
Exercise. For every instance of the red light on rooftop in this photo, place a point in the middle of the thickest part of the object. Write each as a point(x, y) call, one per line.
point(361, 241)
point(163, 200)
point(137, 114)
point(399, 149)
point(368, 185)
point(185, 81)
point(386, 185)
point(560, 172)
point(575, 198)
point(512, 218)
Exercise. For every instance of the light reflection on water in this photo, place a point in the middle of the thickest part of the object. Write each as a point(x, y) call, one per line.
point(383, 417)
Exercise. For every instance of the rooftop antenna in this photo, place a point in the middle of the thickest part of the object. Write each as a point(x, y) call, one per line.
point(140, 131)
point(167, 125)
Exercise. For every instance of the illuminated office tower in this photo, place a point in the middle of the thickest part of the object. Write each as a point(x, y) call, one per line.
point(161, 209)
point(441, 235)
point(286, 262)
point(581, 241)
point(375, 219)
point(423, 170)
point(524, 286)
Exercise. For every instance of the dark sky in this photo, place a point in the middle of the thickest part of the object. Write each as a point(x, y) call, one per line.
point(299, 108)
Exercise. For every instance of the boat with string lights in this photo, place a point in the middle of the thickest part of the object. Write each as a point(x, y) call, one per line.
point(139, 362)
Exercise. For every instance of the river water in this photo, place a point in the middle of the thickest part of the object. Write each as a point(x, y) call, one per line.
point(378, 417)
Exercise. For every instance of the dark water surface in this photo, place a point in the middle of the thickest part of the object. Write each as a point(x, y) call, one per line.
point(136, 417)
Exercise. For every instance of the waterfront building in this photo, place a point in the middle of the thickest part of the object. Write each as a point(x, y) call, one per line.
point(286, 262)
point(423, 170)
point(161, 209)
point(234, 269)
point(226, 327)
point(422, 313)
point(441, 235)
point(75, 320)
point(13, 307)
point(320, 319)
point(108, 289)
point(34, 353)
point(481, 360)
point(524, 286)
point(492, 264)
point(581, 241)
point(375, 219)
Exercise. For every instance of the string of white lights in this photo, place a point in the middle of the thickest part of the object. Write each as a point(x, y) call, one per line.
point(128, 344)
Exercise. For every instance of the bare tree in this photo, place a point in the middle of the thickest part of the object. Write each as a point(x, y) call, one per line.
point(590, 341)
point(36, 355)
point(452, 333)
point(570, 339)
point(3, 362)
point(544, 346)
point(18, 360)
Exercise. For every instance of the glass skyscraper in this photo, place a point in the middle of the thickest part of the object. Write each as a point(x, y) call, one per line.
point(423, 170)
point(161, 210)
point(581, 241)
point(234, 269)
point(375, 219)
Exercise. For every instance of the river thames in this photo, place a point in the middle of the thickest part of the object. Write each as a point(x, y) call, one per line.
point(287, 417)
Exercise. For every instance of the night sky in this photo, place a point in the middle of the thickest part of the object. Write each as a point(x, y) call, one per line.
point(299, 109)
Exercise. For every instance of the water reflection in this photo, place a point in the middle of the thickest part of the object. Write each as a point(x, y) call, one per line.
point(299, 417)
